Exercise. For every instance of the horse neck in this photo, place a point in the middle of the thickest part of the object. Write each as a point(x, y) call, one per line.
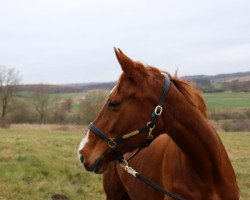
point(191, 131)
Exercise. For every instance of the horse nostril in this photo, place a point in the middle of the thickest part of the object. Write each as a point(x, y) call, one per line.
point(81, 158)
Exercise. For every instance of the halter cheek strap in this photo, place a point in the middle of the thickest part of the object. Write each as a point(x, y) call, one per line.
point(148, 128)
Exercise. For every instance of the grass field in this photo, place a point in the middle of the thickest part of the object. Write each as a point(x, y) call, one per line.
point(34, 165)
point(37, 163)
point(224, 100)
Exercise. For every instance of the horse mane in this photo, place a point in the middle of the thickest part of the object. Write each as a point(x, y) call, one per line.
point(190, 92)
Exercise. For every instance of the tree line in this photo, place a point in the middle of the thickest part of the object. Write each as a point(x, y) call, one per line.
point(42, 105)
point(208, 86)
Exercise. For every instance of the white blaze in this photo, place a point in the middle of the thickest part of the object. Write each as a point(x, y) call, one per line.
point(113, 89)
point(83, 143)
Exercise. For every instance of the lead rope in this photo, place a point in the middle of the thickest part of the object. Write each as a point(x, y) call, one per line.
point(142, 178)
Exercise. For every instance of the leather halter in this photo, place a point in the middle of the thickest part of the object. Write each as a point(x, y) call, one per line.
point(148, 128)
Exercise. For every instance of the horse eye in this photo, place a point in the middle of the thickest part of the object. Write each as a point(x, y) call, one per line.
point(113, 104)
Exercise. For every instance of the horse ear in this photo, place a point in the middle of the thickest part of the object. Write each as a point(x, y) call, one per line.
point(126, 63)
point(129, 67)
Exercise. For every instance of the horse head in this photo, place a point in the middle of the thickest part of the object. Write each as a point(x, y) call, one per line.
point(128, 107)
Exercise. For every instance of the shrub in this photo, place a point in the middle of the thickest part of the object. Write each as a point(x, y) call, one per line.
point(23, 113)
point(236, 125)
point(229, 114)
point(91, 105)
point(232, 120)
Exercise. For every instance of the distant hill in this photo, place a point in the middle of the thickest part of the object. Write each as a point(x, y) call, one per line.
point(50, 88)
point(235, 82)
point(240, 76)
point(220, 82)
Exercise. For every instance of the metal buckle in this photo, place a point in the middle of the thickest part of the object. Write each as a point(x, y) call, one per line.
point(158, 110)
point(128, 169)
point(150, 136)
point(149, 125)
point(112, 143)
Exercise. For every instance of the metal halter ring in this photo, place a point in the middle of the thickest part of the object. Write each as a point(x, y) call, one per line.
point(158, 110)
point(149, 125)
point(111, 143)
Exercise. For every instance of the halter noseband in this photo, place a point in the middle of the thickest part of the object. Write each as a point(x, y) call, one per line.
point(148, 128)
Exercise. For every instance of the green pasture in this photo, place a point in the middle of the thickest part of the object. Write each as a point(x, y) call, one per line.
point(35, 164)
point(56, 99)
point(27, 96)
point(66, 96)
point(227, 100)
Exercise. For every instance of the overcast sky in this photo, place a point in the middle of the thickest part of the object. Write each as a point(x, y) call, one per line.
point(69, 41)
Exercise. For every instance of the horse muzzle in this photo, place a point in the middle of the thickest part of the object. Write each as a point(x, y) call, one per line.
point(96, 167)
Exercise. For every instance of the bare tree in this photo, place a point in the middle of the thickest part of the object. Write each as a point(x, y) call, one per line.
point(9, 78)
point(41, 101)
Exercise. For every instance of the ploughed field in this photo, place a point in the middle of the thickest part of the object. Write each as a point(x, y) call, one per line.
point(37, 162)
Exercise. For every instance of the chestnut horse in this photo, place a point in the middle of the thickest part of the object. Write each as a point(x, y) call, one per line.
point(191, 160)
point(112, 177)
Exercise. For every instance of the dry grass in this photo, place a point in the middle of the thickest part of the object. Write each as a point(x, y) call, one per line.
point(47, 127)
point(38, 161)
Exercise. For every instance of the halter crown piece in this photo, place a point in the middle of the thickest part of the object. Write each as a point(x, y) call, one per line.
point(148, 128)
